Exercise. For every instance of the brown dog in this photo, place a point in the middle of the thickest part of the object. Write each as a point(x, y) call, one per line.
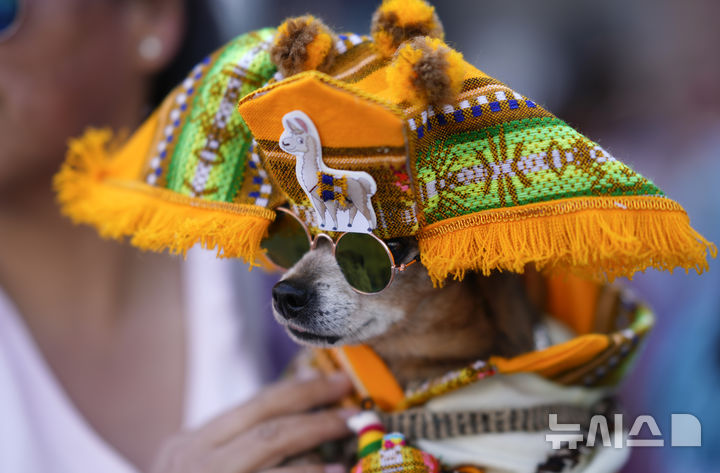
point(419, 331)
point(422, 332)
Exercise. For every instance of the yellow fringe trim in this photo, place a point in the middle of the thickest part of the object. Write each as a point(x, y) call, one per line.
point(598, 237)
point(155, 219)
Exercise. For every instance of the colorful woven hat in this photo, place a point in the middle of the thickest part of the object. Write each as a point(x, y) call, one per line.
point(483, 176)
point(190, 173)
point(394, 134)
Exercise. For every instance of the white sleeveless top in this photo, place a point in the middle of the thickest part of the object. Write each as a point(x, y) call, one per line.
point(41, 431)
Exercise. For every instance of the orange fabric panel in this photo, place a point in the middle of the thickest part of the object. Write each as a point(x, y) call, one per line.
point(130, 160)
point(572, 300)
point(555, 359)
point(375, 83)
point(344, 116)
point(369, 371)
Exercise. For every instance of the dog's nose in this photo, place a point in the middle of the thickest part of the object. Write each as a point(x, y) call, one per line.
point(290, 298)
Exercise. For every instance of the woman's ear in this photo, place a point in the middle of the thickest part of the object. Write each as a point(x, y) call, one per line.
point(157, 28)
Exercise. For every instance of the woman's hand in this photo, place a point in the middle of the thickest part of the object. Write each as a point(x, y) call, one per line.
point(260, 434)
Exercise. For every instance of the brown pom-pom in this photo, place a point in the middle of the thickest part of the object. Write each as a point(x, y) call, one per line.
point(426, 71)
point(302, 44)
point(397, 21)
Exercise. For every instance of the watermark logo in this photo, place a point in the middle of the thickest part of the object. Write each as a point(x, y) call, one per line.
point(685, 431)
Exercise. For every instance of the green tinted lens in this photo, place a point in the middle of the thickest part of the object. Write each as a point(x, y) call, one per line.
point(364, 262)
point(286, 242)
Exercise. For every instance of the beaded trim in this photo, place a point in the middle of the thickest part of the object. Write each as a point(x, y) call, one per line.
point(448, 382)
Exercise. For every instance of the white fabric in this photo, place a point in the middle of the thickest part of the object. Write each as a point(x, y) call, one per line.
point(41, 431)
point(516, 452)
point(513, 452)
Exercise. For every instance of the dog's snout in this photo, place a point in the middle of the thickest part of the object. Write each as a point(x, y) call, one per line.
point(290, 298)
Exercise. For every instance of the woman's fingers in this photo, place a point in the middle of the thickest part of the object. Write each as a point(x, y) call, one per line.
point(262, 447)
point(261, 433)
point(267, 444)
point(280, 399)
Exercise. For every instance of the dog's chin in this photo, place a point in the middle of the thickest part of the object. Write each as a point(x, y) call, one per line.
point(312, 339)
point(307, 336)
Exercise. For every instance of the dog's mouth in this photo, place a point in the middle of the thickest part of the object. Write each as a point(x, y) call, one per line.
point(310, 337)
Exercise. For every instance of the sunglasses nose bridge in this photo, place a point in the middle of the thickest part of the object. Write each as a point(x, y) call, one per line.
point(318, 239)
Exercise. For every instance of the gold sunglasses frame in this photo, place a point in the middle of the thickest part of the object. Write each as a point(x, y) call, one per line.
point(394, 269)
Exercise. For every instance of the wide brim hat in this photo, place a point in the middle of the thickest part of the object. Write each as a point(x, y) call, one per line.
point(412, 141)
point(484, 177)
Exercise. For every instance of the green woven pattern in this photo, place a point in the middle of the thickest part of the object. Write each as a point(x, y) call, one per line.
point(209, 157)
point(516, 163)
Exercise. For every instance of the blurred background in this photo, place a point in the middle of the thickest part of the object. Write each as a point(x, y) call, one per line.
point(640, 77)
point(643, 79)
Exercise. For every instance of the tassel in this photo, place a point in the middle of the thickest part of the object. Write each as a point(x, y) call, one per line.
point(397, 21)
point(379, 452)
point(598, 237)
point(426, 71)
point(90, 191)
point(303, 44)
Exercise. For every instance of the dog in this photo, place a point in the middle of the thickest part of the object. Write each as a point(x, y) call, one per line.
point(423, 332)
point(419, 331)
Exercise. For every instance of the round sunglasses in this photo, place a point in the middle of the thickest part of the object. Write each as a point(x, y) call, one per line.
point(10, 17)
point(364, 259)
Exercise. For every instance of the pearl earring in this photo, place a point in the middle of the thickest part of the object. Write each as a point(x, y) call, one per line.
point(150, 48)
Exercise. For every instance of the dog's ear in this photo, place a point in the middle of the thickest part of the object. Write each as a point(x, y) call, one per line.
point(512, 313)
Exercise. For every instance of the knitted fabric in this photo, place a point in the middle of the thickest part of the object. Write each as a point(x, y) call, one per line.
point(204, 148)
point(396, 456)
point(332, 188)
point(191, 173)
point(489, 181)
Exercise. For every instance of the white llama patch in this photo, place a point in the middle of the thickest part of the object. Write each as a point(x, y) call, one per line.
point(344, 196)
